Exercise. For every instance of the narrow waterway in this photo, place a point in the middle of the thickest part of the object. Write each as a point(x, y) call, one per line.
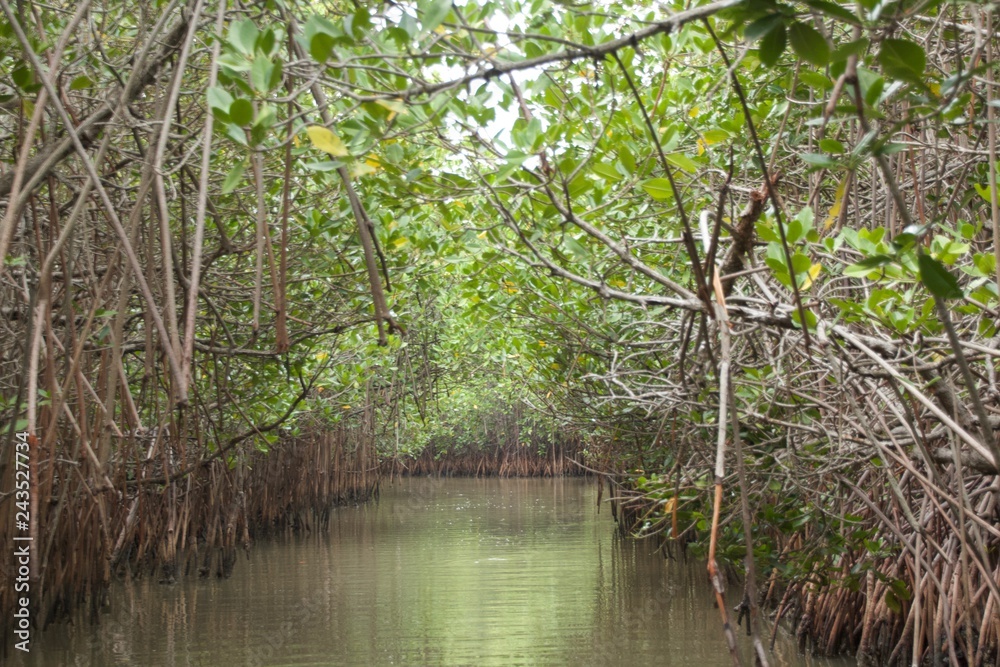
point(438, 572)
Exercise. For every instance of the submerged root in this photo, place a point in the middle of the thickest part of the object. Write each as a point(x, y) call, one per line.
point(196, 522)
point(893, 595)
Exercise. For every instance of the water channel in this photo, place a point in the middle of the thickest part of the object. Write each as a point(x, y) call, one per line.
point(438, 572)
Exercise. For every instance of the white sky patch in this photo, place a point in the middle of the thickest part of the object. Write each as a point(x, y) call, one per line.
point(498, 130)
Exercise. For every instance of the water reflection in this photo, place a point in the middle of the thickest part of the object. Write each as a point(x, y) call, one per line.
point(439, 572)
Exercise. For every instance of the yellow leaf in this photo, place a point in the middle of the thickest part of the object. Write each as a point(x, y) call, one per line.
point(669, 505)
point(401, 241)
point(694, 112)
point(838, 203)
point(327, 141)
point(321, 356)
point(813, 272)
point(361, 169)
point(296, 141)
point(345, 407)
point(395, 106)
point(701, 147)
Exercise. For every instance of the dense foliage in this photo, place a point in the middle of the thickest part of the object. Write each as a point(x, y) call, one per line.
point(746, 250)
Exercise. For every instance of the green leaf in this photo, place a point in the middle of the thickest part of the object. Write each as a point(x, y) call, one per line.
point(938, 280)
point(800, 225)
point(834, 10)
point(682, 161)
point(815, 80)
point(889, 148)
point(772, 46)
point(832, 146)
point(800, 263)
point(628, 160)
point(434, 13)
point(892, 602)
point(765, 233)
point(793, 231)
point(276, 73)
point(811, 319)
point(525, 134)
point(872, 85)
point(809, 44)
point(818, 159)
point(260, 74)
point(578, 250)
point(606, 171)
point(81, 82)
point(361, 22)
point(241, 111)
point(779, 268)
point(233, 178)
point(762, 27)
point(327, 165)
point(514, 161)
point(265, 117)
point(266, 41)
point(321, 46)
point(236, 133)
point(903, 60)
point(219, 98)
point(394, 153)
point(658, 188)
point(243, 36)
point(984, 192)
point(853, 48)
point(900, 589)
point(24, 78)
point(866, 266)
point(715, 136)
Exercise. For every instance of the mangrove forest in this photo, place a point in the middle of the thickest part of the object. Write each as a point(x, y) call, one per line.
point(500, 332)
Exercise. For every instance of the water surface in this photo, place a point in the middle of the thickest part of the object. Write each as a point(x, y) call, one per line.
point(438, 572)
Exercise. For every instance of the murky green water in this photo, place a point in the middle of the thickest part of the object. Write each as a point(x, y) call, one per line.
point(439, 572)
